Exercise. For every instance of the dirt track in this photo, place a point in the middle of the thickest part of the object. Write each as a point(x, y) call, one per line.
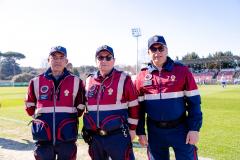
point(20, 150)
point(23, 150)
point(16, 142)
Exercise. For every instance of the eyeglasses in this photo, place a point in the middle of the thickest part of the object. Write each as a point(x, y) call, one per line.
point(106, 58)
point(154, 49)
point(57, 58)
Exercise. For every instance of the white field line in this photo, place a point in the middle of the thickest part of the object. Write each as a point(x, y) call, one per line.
point(13, 120)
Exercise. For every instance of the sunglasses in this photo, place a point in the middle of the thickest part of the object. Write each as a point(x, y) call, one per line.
point(154, 49)
point(57, 58)
point(106, 58)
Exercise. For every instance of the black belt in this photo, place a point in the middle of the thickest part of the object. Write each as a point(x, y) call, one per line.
point(102, 132)
point(168, 124)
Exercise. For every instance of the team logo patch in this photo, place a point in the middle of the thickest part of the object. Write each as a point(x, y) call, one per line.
point(173, 78)
point(155, 39)
point(43, 97)
point(148, 77)
point(110, 91)
point(66, 92)
point(147, 83)
point(104, 47)
point(44, 89)
point(91, 91)
point(92, 88)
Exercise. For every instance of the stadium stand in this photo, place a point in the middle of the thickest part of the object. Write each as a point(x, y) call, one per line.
point(203, 78)
point(226, 74)
point(204, 75)
point(237, 77)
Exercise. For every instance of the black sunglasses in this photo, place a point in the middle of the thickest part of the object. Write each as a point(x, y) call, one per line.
point(107, 58)
point(154, 49)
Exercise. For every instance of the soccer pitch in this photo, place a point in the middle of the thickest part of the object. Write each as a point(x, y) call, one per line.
point(219, 136)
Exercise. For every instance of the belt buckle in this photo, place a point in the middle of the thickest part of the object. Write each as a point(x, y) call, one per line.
point(164, 124)
point(102, 132)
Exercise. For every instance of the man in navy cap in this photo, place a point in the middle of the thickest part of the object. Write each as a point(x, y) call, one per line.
point(55, 100)
point(169, 96)
point(112, 107)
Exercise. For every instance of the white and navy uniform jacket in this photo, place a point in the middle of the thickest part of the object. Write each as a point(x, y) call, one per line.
point(111, 102)
point(168, 94)
point(55, 106)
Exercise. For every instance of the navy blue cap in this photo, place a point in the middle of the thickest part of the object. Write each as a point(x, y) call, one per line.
point(105, 48)
point(156, 40)
point(58, 49)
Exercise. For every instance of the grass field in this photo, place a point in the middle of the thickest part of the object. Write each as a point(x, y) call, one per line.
point(219, 137)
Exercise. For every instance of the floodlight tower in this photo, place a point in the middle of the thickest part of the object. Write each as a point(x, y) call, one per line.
point(136, 32)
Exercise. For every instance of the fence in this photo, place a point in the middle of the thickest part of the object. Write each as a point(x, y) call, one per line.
point(13, 84)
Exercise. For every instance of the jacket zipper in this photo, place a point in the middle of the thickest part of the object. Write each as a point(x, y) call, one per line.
point(98, 99)
point(55, 96)
point(54, 121)
point(160, 84)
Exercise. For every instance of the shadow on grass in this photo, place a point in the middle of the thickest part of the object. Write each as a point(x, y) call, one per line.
point(15, 145)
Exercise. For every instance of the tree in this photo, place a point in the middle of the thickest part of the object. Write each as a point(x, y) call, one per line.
point(220, 54)
point(9, 68)
point(13, 55)
point(223, 64)
point(210, 55)
point(24, 77)
point(228, 53)
point(190, 56)
point(30, 70)
point(8, 64)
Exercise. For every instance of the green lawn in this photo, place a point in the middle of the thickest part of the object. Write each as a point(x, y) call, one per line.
point(12, 103)
point(219, 137)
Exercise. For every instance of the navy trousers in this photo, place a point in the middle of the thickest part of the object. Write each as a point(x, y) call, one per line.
point(116, 147)
point(160, 140)
point(62, 151)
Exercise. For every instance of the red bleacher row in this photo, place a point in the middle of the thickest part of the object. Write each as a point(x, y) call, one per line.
point(213, 76)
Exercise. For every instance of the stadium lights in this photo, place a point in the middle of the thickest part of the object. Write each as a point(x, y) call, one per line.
point(136, 32)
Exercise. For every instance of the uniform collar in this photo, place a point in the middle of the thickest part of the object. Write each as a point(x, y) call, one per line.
point(168, 65)
point(48, 74)
point(97, 74)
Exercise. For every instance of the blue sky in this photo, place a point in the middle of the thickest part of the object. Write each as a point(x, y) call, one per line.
point(32, 27)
